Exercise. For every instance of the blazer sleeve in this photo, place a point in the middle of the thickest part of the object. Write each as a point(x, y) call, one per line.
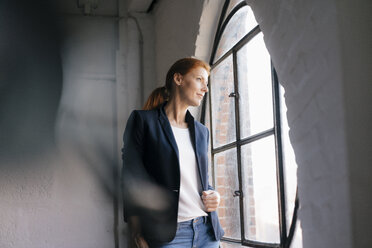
point(132, 157)
point(141, 194)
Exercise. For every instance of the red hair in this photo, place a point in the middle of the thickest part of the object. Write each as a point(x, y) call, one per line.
point(182, 66)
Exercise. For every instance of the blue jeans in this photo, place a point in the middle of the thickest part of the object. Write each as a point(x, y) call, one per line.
point(196, 233)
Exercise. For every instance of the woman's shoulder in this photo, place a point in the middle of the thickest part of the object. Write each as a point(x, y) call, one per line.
point(144, 114)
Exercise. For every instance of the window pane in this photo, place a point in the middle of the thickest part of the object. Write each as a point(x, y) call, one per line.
point(239, 25)
point(255, 88)
point(297, 237)
point(260, 191)
point(223, 106)
point(289, 165)
point(226, 183)
point(232, 5)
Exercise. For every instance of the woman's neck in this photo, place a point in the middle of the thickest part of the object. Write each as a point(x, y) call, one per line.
point(176, 113)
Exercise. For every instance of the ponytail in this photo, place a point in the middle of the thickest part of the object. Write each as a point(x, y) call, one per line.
point(156, 98)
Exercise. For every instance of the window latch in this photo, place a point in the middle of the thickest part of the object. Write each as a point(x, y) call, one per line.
point(232, 94)
point(237, 193)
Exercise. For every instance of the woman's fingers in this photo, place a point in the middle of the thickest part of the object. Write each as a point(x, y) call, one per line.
point(210, 203)
point(141, 243)
point(211, 200)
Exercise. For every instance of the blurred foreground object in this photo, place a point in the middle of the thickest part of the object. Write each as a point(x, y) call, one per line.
point(30, 77)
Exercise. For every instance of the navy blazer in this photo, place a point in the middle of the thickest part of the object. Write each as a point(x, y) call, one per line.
point(151, 170)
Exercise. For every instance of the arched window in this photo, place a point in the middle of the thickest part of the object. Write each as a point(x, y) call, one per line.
point(253, 164)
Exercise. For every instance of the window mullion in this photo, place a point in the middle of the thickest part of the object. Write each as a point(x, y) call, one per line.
point(279, 159)
point(211, 133)
point(238, 147)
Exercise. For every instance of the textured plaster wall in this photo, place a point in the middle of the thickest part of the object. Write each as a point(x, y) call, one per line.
point(303, 40)
point(320, 50)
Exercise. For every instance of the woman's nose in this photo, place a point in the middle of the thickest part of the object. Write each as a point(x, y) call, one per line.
point(205, 88)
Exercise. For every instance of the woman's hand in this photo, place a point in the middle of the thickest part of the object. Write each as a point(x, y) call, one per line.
point(136, 239)
point(211, 200)
point(140, 242)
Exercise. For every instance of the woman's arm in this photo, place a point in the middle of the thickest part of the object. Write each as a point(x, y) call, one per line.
point(133, 168)
point(143, 198)
point(141, 192)
point(134, 179)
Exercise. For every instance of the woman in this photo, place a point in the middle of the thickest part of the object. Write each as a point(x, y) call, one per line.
point(167, 199)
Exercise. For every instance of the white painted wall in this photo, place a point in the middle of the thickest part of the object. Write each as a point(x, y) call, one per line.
point(320, 50)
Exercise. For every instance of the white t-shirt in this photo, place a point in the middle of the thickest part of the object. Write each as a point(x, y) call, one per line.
point(190, 204)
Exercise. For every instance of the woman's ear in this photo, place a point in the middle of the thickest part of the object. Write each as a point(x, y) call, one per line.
point(177, 78)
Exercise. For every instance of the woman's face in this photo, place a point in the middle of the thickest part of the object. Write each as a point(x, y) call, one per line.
point(192, 86)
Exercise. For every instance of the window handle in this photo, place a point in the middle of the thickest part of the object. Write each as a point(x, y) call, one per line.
point(232, 94)
point(237, 193)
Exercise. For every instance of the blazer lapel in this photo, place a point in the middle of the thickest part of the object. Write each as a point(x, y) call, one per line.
point(194, 134)
point(194, 139)
point(163, 119)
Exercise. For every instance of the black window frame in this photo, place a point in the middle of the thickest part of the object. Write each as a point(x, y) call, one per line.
point(285, 237)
